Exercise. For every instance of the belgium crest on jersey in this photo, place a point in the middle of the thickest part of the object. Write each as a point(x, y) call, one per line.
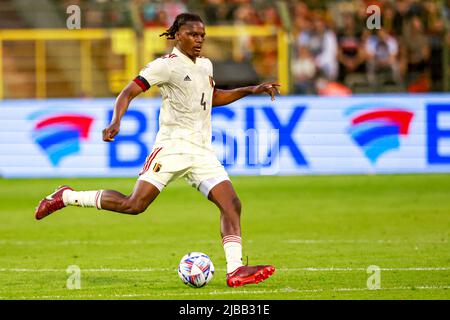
point(156, 167)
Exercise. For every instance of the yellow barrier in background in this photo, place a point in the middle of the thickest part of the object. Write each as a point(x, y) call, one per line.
point(123, 43)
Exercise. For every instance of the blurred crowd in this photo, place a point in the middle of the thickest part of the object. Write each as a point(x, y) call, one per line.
point(404, 53)
point(331, 42)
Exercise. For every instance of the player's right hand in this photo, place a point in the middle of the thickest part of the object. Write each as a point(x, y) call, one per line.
point(110, 132)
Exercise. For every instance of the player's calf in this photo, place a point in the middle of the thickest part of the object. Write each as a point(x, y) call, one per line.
point(134, 204)
point(129, 206)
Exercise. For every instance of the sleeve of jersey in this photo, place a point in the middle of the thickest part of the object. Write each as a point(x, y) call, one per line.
point(211, 70)
point(211, 77)
point(154, 73)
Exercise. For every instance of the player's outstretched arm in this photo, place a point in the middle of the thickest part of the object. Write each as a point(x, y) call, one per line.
point(223, 97)
point(122, 102)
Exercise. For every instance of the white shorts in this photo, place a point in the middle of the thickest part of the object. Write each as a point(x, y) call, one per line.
point(202, 171)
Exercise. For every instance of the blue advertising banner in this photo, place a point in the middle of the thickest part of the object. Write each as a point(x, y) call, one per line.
point(253, 136)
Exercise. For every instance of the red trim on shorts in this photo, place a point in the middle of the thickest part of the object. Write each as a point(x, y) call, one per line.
point(144, 168)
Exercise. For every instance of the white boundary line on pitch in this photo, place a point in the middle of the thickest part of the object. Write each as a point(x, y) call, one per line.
point(365, 269)
point(215, 292)
point(220, 269)
point(362, 241)
point(290, 241)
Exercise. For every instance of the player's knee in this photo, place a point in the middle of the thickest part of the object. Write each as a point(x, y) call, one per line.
point(139, 207)
point(234, 206)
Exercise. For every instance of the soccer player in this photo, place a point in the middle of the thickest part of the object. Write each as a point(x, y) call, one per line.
point(183, 146)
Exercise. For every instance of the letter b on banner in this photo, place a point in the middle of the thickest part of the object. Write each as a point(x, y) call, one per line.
point(119, 159)
point(438, 134)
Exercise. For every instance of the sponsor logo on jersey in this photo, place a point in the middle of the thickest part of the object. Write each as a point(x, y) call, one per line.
point(377, 129)
point(187, 78)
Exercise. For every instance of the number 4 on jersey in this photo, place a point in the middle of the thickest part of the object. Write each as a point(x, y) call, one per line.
point(203, 102)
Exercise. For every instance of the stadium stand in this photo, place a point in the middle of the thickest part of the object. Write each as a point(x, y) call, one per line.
point(327, 40)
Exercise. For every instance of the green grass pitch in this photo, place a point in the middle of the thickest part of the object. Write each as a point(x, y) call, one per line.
point(320, 232)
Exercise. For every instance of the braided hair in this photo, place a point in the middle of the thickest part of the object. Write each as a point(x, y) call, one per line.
point(180, 20)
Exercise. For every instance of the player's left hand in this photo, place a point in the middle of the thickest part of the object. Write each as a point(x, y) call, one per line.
point(270, 88)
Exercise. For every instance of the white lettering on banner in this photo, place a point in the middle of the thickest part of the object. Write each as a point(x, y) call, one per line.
point(251, 148)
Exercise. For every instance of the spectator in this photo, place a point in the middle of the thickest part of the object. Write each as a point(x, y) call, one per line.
point(361, 15)
point(401, 14)
point(382, 59)
point(322, 43)
point(217, 12)
point(300, 19)
point(153, 15)
point(415, 54)
point(269, 16)
point(245, 15)
point(303, 71)
point(388, 18)
point(436, 37)
point(173, 8)
point(351, 54)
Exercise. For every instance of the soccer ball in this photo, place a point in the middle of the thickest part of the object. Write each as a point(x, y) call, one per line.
point(196, 269)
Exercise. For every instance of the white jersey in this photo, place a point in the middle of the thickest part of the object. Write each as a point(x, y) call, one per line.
point(186, 89)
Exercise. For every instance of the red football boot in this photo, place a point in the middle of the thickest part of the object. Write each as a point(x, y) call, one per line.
point(249, 275)
point(51, 203)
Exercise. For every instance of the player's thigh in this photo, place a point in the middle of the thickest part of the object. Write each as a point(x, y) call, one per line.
point(206, 172)
point(162, 167)
point(210, 177)
point(143, 194)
